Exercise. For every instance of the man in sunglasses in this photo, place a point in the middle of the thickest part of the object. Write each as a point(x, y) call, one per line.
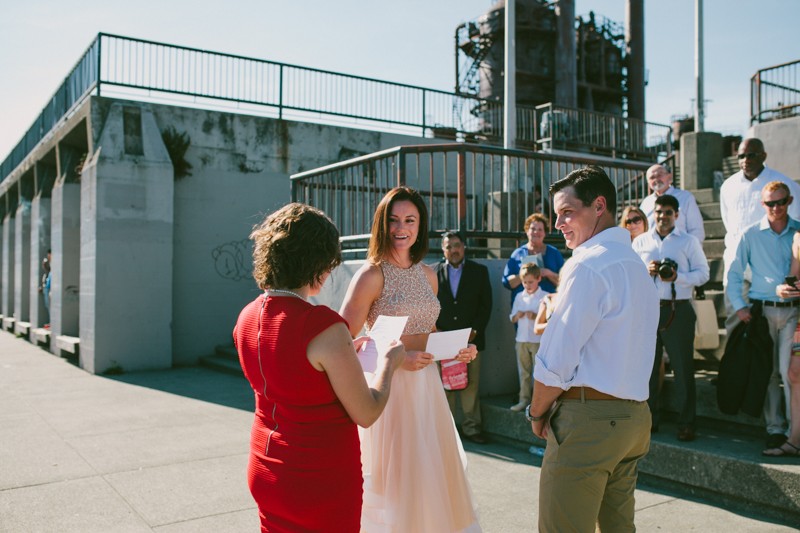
point(740, 197)
point(766, 249)
point(659, 179)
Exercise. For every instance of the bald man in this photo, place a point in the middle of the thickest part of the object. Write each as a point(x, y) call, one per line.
point(659, 179)
point(740, 195)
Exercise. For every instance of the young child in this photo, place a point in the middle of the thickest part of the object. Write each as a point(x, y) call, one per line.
point(523, 314)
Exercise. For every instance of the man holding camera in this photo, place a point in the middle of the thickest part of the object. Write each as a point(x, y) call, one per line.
point(676, 261)
point(766, 247)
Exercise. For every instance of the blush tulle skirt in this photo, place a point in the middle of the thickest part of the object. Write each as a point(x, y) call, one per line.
point(414, 465)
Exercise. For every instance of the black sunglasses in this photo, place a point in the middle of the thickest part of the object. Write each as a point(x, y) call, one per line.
point(748, 155)
point(633, 220)
point(782, 202)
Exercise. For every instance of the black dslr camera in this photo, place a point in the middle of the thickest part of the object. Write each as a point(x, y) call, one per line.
point(667, 268)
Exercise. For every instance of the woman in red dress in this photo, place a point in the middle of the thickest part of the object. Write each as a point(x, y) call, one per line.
point(310, 390)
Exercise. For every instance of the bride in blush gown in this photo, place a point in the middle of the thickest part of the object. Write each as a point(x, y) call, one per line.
point(413, 460)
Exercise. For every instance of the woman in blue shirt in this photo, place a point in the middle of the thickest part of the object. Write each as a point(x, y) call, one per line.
point(535, 250)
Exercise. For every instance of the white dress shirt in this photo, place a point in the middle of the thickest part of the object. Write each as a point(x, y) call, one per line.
point(603, 331)
point(682, 248)
point(740, 206)
point(527, 302)
point(689, 218)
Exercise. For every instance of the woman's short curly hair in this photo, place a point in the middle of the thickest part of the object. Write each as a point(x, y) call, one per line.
point(295, 246)
point(535, 217)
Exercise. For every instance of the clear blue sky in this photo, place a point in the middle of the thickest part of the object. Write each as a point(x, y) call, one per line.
point(409, 41)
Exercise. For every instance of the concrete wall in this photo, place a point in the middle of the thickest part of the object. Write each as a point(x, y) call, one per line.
point(65, 266)
point(782, 144)
point(40, 242)
point(498, 360)
point(126, 246)
point(7, 290)
point(151, 269)
point(240, 168)
point(22, 261)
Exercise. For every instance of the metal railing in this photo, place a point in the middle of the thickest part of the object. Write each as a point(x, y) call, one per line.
point(482, 191)
point(82, 80)
point(554, 127)
point(150, 71)
point(775, 92)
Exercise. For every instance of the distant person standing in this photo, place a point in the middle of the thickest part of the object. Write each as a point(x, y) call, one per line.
point(659, 179)
point(466, 297)
point(593, 366)
point(740, 196)
point(46, 283)
point(546, 257)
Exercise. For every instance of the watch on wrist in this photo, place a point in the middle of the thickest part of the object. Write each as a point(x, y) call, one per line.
point(532, 418)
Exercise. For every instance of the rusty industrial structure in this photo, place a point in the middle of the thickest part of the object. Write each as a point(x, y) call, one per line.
point(585, 62)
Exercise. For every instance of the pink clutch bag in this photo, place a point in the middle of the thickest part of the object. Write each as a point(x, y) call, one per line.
point(454, 374)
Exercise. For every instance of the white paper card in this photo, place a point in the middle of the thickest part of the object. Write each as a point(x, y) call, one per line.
point(385, 330)
point(446, 344)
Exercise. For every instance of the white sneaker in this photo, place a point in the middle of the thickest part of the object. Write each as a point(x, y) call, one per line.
point(520, 406)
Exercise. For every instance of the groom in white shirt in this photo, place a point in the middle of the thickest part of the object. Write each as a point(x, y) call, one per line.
point(593, 366)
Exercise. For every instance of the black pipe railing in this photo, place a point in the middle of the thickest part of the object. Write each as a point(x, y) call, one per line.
point(484, 192)
point(775, 92)
point(146, 70)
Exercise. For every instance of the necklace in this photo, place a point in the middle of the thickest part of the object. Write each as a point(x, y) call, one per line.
point(285, 292)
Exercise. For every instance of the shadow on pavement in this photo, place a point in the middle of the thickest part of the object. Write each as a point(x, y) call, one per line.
point(195, 382)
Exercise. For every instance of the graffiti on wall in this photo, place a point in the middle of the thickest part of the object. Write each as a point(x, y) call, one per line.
point(232, 260)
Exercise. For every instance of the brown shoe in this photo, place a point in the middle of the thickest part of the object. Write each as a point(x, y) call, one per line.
point(686, 434)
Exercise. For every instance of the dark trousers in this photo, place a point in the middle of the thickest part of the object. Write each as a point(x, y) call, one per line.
point(678, 339)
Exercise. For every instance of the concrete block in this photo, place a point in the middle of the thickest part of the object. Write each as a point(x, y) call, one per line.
point(39, 244)
point(7, 281)
point(715, 229)
point(706, 196)
point(710, 211)
point(65, 264)
point(65, 343)
point(701, 155)
point(22, 261)
point(22, 328)
point(126, 250)
point(8, 323)
point(714, 248)
point(782, 143)
point(40, 336)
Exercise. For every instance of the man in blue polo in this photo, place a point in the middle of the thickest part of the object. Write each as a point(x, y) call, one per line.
point(766, 247)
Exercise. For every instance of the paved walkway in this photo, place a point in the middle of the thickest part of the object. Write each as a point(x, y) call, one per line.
point(166, 451)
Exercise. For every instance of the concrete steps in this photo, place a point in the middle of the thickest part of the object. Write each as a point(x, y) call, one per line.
point(723, 464)
point(225, 359)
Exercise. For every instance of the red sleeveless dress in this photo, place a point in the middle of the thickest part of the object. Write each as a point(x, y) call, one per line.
point(305, 465)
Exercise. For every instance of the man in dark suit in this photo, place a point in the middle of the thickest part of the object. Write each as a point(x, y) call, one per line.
point(466, 297)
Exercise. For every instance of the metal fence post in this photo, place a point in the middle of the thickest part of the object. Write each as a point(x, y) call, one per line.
point(280, 92)
point(401, 168)
point(99, 55)
point(461, 169)
point(424, 98)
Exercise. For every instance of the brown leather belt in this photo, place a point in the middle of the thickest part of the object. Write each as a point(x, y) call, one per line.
point(588, 393)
